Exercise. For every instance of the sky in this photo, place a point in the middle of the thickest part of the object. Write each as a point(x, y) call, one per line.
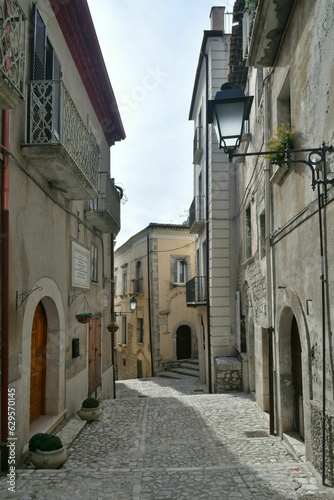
point(151, 50)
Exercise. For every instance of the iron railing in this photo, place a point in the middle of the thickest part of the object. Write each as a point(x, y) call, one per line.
point(12, 35)
point(108, 201)
point(196, 213)
point(196, 291)
point(53, 118)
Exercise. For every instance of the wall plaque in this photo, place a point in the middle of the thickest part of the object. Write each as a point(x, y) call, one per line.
point(80, 266)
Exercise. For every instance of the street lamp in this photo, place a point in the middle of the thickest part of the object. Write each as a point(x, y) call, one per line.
point(228, 112)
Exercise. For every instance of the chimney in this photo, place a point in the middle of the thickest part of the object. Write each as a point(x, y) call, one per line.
point(217, 18)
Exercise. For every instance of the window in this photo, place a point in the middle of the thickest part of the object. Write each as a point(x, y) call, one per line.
point(262, 235)
point(180, 271)
point(138, 280)
point(94, 264)
point(248, 233)
point(124, 336)
point(140, 330)
point(124, 282)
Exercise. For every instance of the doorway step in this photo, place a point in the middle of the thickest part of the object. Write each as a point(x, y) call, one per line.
point(294, 445)
point(181, 369)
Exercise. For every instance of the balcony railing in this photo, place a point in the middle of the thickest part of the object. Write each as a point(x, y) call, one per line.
point(59, 143)
point(104, 211)
point(196, 291)
point(196, 215)
point(12, 54)
point(198, 146)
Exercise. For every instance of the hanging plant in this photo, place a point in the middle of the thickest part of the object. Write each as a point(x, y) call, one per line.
point(280, 141)
point(86, 315)
point(112, 326)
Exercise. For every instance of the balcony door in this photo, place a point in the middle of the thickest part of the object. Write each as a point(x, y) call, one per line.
point(46, 72)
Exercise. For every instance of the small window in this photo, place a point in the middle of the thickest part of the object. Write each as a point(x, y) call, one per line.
point(94, 264)
point(180, 271)
point(140, 330)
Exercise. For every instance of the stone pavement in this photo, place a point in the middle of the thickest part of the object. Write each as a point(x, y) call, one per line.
point(167, 439)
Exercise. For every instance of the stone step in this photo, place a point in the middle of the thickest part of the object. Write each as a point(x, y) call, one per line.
point(173, 375)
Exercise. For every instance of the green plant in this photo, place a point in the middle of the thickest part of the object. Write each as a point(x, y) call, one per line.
point(280, 141)
point(250, 6)
point(90, 403)
point(45, 442)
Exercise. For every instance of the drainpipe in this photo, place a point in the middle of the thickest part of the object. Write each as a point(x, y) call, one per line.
point(268, 225)
point(207, 228)
point(5, 290)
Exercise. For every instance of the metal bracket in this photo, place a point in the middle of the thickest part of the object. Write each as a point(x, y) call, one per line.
point(21, 297)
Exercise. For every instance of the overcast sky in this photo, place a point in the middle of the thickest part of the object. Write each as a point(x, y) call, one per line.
point(151, 50)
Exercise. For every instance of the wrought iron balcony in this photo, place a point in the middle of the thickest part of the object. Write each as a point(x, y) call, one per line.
point(196, 215)
point(196, 291)
point(59, 144)
point(198, 146)
point(12, 54)
point(104, 211)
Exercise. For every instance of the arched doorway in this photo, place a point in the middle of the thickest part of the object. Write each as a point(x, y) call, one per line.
point(183, 342)
point(38, 363)
point(297, 379)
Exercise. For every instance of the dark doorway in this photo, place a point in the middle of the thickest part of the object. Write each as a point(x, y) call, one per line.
point(297, 379)
point(183, 342)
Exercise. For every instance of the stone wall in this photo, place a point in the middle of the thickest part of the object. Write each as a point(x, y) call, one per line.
point(316, 442)
point(228, 375)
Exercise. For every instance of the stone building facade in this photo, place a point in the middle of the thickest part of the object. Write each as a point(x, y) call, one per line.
point(284, 238)
point(153, 266)
point(60, 209)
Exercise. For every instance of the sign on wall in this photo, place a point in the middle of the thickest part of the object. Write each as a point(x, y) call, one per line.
point(80, 266)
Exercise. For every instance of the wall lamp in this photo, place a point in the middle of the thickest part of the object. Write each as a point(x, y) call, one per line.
point(133, 307)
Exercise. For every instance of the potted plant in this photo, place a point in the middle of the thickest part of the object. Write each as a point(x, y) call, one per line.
point(250, 6)
point(280, 141)
point(90, 410)
point(47, 451)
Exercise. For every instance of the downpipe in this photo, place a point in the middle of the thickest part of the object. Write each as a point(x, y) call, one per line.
point(4, 290)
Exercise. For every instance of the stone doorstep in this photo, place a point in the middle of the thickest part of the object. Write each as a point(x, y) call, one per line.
point(71, 430)
point(294, 445)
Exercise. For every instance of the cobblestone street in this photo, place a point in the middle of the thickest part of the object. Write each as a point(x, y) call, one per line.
point(167, 439)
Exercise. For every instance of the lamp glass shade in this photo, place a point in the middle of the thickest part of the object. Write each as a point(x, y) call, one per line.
point(228, 121)
point(133, 304)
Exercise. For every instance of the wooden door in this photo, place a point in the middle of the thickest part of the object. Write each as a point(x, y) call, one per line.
point(94, 355)
point(38, 363)
point(183, 342)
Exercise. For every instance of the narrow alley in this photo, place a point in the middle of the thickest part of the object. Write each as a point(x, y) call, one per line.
point(169, 439)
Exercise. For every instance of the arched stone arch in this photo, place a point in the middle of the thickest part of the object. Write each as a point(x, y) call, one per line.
point(291, 307)
point(48, 293)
